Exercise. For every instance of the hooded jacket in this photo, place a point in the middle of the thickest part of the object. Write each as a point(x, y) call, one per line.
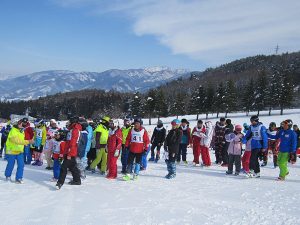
point(71, 147)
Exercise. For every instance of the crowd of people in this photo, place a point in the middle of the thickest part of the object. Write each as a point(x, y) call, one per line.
point(84, 145)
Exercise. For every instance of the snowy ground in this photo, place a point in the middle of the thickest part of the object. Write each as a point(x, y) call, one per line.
point(196, 196)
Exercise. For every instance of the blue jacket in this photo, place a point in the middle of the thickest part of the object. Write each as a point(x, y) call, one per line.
point(288, 140)
point(82, 143)
point(259, 136)
point(89, 129)
point(4, 131)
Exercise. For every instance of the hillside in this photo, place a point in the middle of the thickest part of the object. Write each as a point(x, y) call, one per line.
point(215, 90)
point(45, 83)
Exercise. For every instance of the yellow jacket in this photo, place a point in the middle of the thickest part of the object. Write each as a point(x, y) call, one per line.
point(15, 142)
point(104, 133)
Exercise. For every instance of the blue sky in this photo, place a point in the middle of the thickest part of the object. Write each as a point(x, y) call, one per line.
point(95, 35)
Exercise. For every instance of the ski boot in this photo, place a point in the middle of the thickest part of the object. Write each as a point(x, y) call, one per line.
point(135, 176)
point(236, 173)
point(58, 186)
point(8, 179)
point(72, 182)
point(151, 159)
point(228, 172)
point(19, 181)
point(127, 177)
point(39, 163)
point(35, 163)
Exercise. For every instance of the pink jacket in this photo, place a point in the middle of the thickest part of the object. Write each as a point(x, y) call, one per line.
point(235, 146)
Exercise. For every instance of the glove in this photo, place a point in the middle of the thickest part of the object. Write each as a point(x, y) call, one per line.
point(292, 156)
point(117, 152)
point(60, 160)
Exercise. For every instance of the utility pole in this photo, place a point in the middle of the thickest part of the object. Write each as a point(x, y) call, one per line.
point(276, 49)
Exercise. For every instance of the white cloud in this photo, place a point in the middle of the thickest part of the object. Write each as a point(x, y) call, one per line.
point(211, 31)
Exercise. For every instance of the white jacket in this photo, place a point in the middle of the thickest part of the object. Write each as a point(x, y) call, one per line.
point(207, 136)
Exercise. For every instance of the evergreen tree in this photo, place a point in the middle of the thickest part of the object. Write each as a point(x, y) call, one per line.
point(230, 97)
point(136, 105)
point(178, 106)
point(261, 92)
point(150, 104)
point(286, 91)
point(209, 101)
point(248, 97)
point(220, 99)
point(197, 101)
point(161, 106)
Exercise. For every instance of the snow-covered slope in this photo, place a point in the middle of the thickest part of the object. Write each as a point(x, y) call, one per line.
point(195, 196)
point(51, 82)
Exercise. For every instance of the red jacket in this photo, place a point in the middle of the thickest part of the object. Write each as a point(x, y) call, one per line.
point(137, 141)
point(115, 141)
point(196, 135)
point(28, 132)
point(71, 149)
point(62, 147)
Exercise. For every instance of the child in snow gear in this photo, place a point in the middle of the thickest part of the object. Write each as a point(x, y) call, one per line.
point(234, 150)
point(196, 138)
point(114, 146)
point(14, 150)
point(205, 142)
point(273, 145)
point(101, 137)
point(219, 141)
point(246, 157)
point(82, 143)
point(58, 149)
point(144, 162)
point(157, 140)
point(137, 141)
point(91, 154)
point(171, 148)
point(288, 145)
point(297, 131)
point(39, 141)
point(48, 144)
point(228, 129)
point(259, 142)
point(125, 151)
point(293, 155)
point(4, 134)
point(186, 140)
point(70, 154)
point(29, 134)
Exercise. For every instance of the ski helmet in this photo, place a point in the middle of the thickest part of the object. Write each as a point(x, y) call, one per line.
point(254, 118)
point(74, 119)
point(238, 128)
point(272, 124)
point(175, 122)
point(160, 122)
point(290, 123)
point(39, 122)
point(200, 122)
point(115, 122)
point(138, 120)
point(184, 121)
point(105, 119)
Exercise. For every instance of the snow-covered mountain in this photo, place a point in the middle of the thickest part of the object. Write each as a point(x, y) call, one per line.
point(44, 83)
